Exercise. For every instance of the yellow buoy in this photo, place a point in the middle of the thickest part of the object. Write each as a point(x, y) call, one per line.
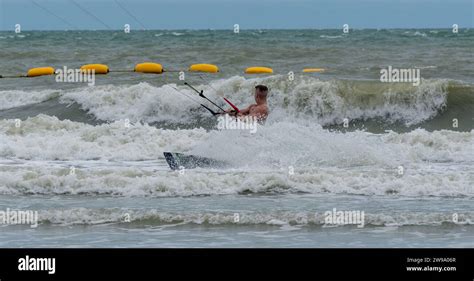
point(203, 67)
point(99, 68)
point(40, 71)
point(149, 67)
point(258, 70)
point(308, 70)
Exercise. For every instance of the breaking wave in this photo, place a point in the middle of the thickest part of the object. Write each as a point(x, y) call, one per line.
point(325, 102)
point(83, 216)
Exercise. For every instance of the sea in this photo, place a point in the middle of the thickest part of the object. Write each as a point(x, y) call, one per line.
point(89, 159)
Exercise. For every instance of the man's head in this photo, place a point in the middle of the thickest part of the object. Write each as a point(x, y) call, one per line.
point(261, 92)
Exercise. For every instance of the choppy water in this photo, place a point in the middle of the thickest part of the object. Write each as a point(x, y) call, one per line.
point(119, 170)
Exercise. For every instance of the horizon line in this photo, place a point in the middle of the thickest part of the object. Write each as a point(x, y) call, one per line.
point(231, 30)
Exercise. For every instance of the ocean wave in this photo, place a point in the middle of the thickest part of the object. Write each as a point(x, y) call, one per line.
point(45, 137)
point(427, 67)
point(141, 102)
point(48, 138)
point(331, 36)
point(416, 33)
point(135, 182)
point(83, 216)
point(323, 161)
point(15, 98)
point(332, 101)
point(330, 166)
point(325, 102)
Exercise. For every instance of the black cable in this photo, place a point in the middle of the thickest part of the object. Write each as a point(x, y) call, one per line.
point(130, 14)
point(50, 12)
point(90, 14)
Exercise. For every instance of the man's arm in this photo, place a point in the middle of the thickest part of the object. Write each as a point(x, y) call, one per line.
point(245, 111)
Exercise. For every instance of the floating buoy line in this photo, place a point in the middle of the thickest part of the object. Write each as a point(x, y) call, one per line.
point(149, 67)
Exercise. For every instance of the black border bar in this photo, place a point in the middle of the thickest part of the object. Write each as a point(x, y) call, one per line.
point(240, 264)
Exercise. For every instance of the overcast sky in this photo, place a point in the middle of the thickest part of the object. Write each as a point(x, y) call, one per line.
point(223, 14)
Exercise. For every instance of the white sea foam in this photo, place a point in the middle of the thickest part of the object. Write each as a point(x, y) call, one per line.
point(136, 182)
point(331, 36)
point(15, 98)
point(323, 161)
point(44, 137)
point(47, 138)
point(83, 216)
point(141, 102)
point(326, 102)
